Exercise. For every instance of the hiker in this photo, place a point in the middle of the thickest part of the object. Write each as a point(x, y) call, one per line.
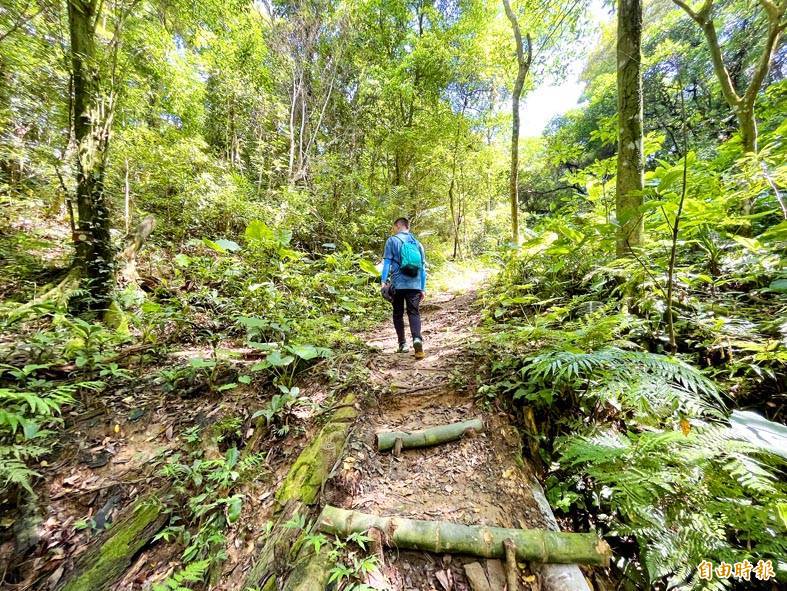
point(404, 282)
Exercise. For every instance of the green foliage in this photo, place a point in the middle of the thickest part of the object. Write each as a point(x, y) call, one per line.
point(213, 504)
point(350, 565)
point(89, 342)
point(280, 408)
point(639, 442)
point(703, 495)
point(192, 573)
point(29, 412)
point(274, 143)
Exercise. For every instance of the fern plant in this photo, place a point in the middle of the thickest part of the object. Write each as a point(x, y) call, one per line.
point(193, 572)
point(685, 496)
point(28, 414)
point(652, 387)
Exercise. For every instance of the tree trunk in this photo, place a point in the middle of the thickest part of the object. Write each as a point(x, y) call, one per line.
point(300, 488)
point(630, 179)
point(512, 570)
point(748, 127)
point(443, 537)
point(105, 561)
point(743, 104)
point(311, 470)
point(523, 65)
point(5, 121)
point(426, 437)
point(456, 220)
point(93, 114)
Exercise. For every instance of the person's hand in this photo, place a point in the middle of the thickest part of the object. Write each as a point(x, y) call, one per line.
point(421, 297)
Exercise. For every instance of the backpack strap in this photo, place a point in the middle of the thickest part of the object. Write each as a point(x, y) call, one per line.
point(412, 239)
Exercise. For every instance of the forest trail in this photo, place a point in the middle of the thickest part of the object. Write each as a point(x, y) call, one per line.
point(479, 480)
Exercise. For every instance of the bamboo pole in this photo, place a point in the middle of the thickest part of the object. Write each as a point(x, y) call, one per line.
point(512, 570)
point(440, 537)
point(425, 437)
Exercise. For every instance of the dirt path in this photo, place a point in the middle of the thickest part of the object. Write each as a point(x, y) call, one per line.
point(480, 480)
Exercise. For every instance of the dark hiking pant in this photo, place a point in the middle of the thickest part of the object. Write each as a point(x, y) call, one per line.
point(411, 298)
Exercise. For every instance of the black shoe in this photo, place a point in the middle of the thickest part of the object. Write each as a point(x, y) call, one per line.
point(403, 348)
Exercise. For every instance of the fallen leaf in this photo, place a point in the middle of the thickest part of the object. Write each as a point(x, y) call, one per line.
point(446, 579)
point(54, 578)
point(685, 427)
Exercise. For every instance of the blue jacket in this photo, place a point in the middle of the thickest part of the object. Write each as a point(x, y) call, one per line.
point(392, 258)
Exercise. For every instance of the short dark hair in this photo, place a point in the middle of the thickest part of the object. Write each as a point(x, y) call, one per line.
point(402, 222)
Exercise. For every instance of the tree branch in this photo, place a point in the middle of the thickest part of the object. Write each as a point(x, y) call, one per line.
point(764, 64)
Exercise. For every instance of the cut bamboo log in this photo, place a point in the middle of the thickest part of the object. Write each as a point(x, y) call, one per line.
point(425, 437)
point(441, 536)
point(107, 559)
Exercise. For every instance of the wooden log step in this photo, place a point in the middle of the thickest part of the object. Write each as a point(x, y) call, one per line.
point(425, 437)
point(105, 561)
point(282, 562)
point(311, 469)
point(441, 537)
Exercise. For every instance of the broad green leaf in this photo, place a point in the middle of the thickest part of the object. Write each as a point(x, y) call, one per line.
point(748, 243)
point(775, 233)
point(276, 359)
point(782, 509)
point(368, 267)
point(234, 507)
point(30, 428)
point(200, 363)
point(214, 245)
point(258, 230)
point(251, 322)
point(182, 260)
point(228, 245)
point(307, 352)
point(778, 285)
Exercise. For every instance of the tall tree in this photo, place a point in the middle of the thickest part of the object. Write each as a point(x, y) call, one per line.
point(523, 66)
point(93, 114)
point(630, 171)
point(741, 104)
